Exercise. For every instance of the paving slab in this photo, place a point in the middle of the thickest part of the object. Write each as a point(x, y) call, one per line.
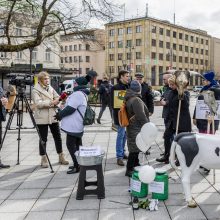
point(48, 215)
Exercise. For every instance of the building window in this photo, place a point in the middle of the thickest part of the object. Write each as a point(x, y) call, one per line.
point(191, 38)
point(111, 44)
point(202, 51)
point(206, 52)
point(138, 55)
point(61, 48)
point(197, 61)
point(174, 58)
point(197, 40)
point(191, 49)
point(168, 57)
point(3, 54)
point(66, 48)
point(206, 63)
point(128, 44)
point(174, 46)
point(206, 42)
point(87, 59)
point(120, 44)
point(174, 34)
point(168, 45)
point(180, 36)
point(87, 70)
point(70, 59)
point(168, 33)
point(202, 41)
point(160, 56)
point(128, 56)
point(138, 68)
point(138, 42)
point(161, 31)
point(70, 47)
point(201, 62)
point(34, 54)
point(75, 47)
point(18, 31)
point(19, 55)
point(138, 29)
point(111, 69)
point(120, 56)
point(48, 54)
point(66, 59)
point(180, 59)
point(153, 55)
point(153, 43)
point(87, 47)
point(160, 75)
point(111, 57)
point(153, 29)
point(161, 44)
point(2, 29)
point(80, 59)
point(180, 47)
point(61, 59)
point(191, 60)
point(153, 75)
point(197, 50)
point(80, 46)
point(187, 37)
point(186, 60)
point(120, 31)
point(186, 49)
point(75, 59)
point(120, 68)
point(129, 30)
point(111, 32)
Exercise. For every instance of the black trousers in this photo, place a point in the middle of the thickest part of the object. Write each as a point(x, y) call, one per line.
point(168, 139)
point(103, 107)
point(55, 130)
point(73, 144)
point(133, 160)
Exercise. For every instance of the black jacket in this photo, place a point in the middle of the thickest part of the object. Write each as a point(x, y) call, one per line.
point(185, 119)
point(165, 96)
point(2, 108)
point(105, 92)
point(118, 86)
point(147, 97)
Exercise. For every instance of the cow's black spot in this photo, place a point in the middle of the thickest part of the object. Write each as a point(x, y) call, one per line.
point(217, 149)
point(188, 146)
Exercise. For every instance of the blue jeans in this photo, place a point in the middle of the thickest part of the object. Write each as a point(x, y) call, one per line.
point(120, 142)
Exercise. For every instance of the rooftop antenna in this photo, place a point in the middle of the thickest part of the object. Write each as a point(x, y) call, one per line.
point(174, 14)
point(146, 13)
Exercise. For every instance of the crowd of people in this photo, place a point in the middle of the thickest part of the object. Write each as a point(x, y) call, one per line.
point(138, 98)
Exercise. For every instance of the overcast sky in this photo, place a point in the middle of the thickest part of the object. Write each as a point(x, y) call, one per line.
point(201, 14)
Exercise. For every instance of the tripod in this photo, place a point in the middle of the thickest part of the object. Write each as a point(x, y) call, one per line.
point(18, 107)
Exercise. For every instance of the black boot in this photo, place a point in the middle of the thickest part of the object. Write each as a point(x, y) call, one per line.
point(2, 166)
point(98, 121)
point(163, 159)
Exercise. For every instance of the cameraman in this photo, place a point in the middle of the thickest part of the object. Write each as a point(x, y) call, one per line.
point(3, 103)
point(46, 100)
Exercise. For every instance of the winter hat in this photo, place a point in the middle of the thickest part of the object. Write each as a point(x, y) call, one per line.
point(135, 86)
point(81, 81)
point(209, 76)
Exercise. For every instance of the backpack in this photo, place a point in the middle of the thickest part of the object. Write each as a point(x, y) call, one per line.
point(89, 117)
point(123, 116)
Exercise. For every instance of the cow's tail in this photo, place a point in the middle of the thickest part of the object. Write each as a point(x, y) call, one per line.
point(173, 155)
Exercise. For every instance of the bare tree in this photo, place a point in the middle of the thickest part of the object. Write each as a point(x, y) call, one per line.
point(46, 18)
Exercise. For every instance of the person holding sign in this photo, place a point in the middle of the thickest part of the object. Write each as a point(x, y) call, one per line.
point(117, 97)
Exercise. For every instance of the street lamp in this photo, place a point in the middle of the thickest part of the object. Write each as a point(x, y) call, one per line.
point(31, 56)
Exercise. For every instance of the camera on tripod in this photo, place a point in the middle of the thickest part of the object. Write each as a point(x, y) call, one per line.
point(20, 80)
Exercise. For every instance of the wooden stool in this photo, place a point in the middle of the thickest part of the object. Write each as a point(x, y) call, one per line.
point(99, 191)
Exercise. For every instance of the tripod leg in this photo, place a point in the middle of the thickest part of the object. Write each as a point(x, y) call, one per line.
point(35, 125)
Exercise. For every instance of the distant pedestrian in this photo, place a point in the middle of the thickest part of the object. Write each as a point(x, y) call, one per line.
point(105, 97)
point(120, 87)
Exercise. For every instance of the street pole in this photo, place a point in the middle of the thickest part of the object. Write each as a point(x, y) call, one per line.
point(31, 50)
point(79, 66)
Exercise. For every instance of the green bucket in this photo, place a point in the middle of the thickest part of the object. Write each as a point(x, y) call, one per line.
point(138, 189)
point(161, 185)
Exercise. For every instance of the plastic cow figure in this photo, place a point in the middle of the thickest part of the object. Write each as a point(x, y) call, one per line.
point(193, 150)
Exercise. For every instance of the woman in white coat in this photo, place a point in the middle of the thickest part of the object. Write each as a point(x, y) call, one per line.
point(46, 100)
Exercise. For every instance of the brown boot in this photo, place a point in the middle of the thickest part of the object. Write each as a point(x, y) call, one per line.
point(62, 159)
point(120, 162)
point(44, 161)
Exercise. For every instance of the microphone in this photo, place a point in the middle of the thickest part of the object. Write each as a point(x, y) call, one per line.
point(63, 96)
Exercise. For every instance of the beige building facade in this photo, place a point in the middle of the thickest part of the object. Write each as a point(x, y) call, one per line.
point(83, 51)
point(152, 46)
point(215, 56)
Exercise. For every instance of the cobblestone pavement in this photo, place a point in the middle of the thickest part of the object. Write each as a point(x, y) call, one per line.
point(30, 192)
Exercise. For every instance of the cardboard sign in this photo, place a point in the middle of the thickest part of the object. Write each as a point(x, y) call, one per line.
point(89, 151)
point(118, 98)
point(202, 110)
point(156, 187)
point(135, 185)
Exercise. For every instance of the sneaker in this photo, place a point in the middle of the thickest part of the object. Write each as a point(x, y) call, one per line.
point(98, 121)
point(120, 162)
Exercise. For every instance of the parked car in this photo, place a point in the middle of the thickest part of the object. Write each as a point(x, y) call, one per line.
point(197, 88)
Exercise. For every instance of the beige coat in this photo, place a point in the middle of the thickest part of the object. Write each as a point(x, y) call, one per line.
point(11, 98)
point(43, 111)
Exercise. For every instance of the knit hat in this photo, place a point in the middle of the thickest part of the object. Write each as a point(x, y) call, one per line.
point(135, 86)
point(209, 76)
point(81, 81)
point(139, 75)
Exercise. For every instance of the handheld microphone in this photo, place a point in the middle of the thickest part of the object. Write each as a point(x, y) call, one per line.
point(63, 96)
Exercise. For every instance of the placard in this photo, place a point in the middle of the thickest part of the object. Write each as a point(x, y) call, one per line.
point(156, 187)
point(135, 185)
point(89, 151)
point(119, 98)
point(202, 110)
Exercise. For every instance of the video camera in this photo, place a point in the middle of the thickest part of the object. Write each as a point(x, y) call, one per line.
point(20, 80)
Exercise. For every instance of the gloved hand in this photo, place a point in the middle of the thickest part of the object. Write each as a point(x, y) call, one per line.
point(57, 116)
